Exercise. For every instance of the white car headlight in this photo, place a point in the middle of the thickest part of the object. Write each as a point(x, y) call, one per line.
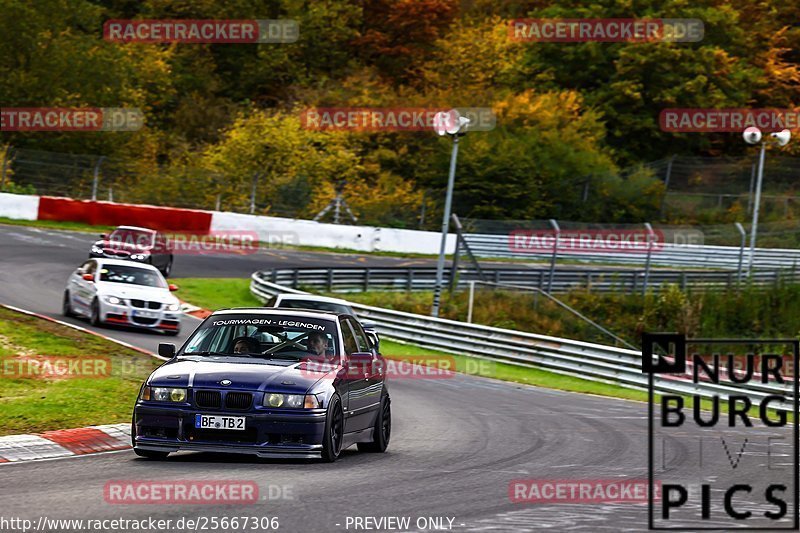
point(96, 249)
point(174, 307)
point(113, 300)
point(139, 257)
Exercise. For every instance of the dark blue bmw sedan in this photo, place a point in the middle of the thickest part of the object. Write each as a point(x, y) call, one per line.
point(269, 382)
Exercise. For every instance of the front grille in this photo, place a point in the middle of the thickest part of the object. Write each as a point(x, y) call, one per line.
point(207, 398)
point(142, 304)
point(144, 321)
point(238, 400)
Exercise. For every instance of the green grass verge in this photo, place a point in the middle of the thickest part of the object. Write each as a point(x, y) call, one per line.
point(32, 399)
point(216, 293)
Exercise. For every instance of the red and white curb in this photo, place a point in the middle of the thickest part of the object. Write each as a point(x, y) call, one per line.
point(65, 443)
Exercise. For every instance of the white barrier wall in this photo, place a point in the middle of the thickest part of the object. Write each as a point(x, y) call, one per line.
point(19, 206)
point(310, 233)
point(284, 230)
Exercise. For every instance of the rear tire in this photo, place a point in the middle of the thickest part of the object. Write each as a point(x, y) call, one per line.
point(382, 430)
point(66, 306)
point(94, 317)
point(334, 431)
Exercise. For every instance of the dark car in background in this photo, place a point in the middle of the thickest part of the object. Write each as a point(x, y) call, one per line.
point(132, 243)
point(268, 382)
point(324, 303)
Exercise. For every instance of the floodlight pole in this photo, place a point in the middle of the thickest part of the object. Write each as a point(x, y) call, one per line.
point(437, 290)
point(757, 203)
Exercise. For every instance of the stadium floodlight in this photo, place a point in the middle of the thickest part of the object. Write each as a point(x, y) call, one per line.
point(752, 135)
point(453, 124)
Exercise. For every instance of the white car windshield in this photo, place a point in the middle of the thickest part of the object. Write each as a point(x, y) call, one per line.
point(132, 275)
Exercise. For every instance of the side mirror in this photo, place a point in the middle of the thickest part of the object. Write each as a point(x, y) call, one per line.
point(166, 349)
point(368, 324)
point(173, 287)
point(88, 277)
point(374, 340)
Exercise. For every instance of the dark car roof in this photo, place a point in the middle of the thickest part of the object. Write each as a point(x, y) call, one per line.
point(281, 310)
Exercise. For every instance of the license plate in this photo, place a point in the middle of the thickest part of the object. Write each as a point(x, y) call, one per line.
point(145, 314)
point(219, 422)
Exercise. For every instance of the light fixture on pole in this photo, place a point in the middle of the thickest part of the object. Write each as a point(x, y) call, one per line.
point(752, 135)
point(453, 124)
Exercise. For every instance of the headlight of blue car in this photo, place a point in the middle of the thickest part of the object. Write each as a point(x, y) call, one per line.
point(163, 394)
point(292, 401)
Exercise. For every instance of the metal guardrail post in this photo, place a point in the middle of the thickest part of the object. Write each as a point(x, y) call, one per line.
point(650, 237)
point(666, 185)
point(6, 161)
point(743, 235)
point(367, 274)
point(557, 230)
point(456, 255)
point(330, 280)
point(253, 188)
point(471, 300)
point(96, 177)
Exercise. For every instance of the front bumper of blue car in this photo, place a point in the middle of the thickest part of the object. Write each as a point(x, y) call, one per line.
point(278, 433)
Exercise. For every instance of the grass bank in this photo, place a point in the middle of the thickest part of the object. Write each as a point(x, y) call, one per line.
point(56, 377)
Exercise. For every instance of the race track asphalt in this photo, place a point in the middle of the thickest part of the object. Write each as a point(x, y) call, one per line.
point(456, 444)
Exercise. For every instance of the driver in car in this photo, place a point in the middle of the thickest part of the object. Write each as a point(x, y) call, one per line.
point(317, 343)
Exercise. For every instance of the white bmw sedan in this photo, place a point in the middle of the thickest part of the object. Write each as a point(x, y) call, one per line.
point(108, 291)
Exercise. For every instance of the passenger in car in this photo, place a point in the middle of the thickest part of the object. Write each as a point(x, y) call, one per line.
point(245, 345)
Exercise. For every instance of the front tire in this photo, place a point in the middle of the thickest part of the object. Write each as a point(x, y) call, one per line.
point(382, 430)
point(334, 431)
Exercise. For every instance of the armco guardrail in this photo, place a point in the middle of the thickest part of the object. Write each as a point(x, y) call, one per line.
point(351, 279)
point(727, 257)
point(589, 361)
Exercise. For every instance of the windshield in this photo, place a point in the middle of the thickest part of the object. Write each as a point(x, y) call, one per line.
point(267, 337)
point(132, 275)
point(314, 304)
point(132, 236)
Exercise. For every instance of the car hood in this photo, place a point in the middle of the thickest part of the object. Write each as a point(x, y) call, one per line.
point(127, 246)
point(254, 376)
point(135, 292)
